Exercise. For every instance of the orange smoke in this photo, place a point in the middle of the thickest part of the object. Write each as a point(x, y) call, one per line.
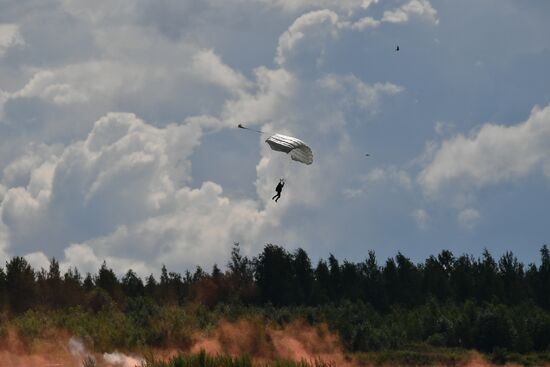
point(20, 352)
point(295, 341)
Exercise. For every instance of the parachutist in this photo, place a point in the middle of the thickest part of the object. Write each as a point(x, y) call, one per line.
point(397, 48)
point(278, 189)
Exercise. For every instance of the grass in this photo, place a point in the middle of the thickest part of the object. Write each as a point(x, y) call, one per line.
point(418, 355)
point(202, 359)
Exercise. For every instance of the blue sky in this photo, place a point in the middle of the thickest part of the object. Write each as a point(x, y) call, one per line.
point(118, 138)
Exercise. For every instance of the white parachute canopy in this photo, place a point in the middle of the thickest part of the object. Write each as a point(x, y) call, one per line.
point(298, 150)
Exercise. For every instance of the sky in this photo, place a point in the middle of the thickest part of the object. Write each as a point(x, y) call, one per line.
point(118, 136)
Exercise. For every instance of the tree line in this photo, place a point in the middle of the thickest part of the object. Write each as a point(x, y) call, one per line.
point(444, 301)
point(281, 278)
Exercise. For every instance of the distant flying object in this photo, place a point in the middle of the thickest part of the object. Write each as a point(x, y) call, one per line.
point(397, 48)
point(367, 155)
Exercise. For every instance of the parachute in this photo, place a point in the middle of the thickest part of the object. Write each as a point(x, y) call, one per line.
point(298, 150)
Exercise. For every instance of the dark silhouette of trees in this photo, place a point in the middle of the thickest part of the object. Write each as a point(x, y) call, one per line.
point(304, 277)
point(463, 278)
point(3, 291)
point(461, 301)
point(240, 277)
point(512, 278)
point(320, 294)
point(542, 279)
point(436, 277)
point(20, 285)
point(283, 278)
point(106, 279)
point(132, 285)
point(372, 281)
point(274, 276)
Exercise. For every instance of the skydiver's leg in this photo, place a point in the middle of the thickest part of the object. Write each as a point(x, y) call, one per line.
point(278, 197)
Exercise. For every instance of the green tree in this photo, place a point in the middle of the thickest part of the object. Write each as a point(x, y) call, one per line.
point(390, 280)
point(409, 281)
point(321, 285)
point(3, 290)
point(73, 290)
point(274, 275)
point(463, 278)
point(132, 285)
point(20, 284)
point(350, 282)
point(334, 289)
point(512, 279)
point(241, 285)
point(106, 279)
point(436, 279)
point(543, 278)
point(373, 286)
point(303, 277)
point(487, 279)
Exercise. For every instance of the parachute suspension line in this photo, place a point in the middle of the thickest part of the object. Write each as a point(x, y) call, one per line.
point(240, 126)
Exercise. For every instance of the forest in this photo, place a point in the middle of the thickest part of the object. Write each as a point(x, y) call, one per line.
point(447, 301)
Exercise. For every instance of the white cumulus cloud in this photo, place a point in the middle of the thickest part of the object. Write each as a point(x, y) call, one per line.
point(300, 5)
point(356, 92)
point(490, 155)
point(419, 8)
point(122, 194)
point(9, 37)
point(315, 24)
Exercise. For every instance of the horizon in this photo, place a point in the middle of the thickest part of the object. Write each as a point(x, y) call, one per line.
point(224, 266)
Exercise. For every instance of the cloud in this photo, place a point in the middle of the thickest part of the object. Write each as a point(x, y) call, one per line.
point(209, 66)
point(468, 219)
point(9, 37)
point(419, 8)
point(121, 194)
point(86, 260)
point(391, 174)
point(358, 93)
point(490, 155)
point(364, 23)
point(308, 34)
point(422, 218)
point(274, 88)
point(386, 177)
point(59, 104)
point(38, 260)
point(300, 5)
point(52, 86)
point(85, 183)
point(443, 127)
point(315, 24)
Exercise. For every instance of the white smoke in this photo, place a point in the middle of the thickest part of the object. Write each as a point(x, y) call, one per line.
point(76, 346)
point(122, 360)
point(78, 349)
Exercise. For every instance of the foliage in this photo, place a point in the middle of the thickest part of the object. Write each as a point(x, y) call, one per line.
point(497, 306)
point(202, 359)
